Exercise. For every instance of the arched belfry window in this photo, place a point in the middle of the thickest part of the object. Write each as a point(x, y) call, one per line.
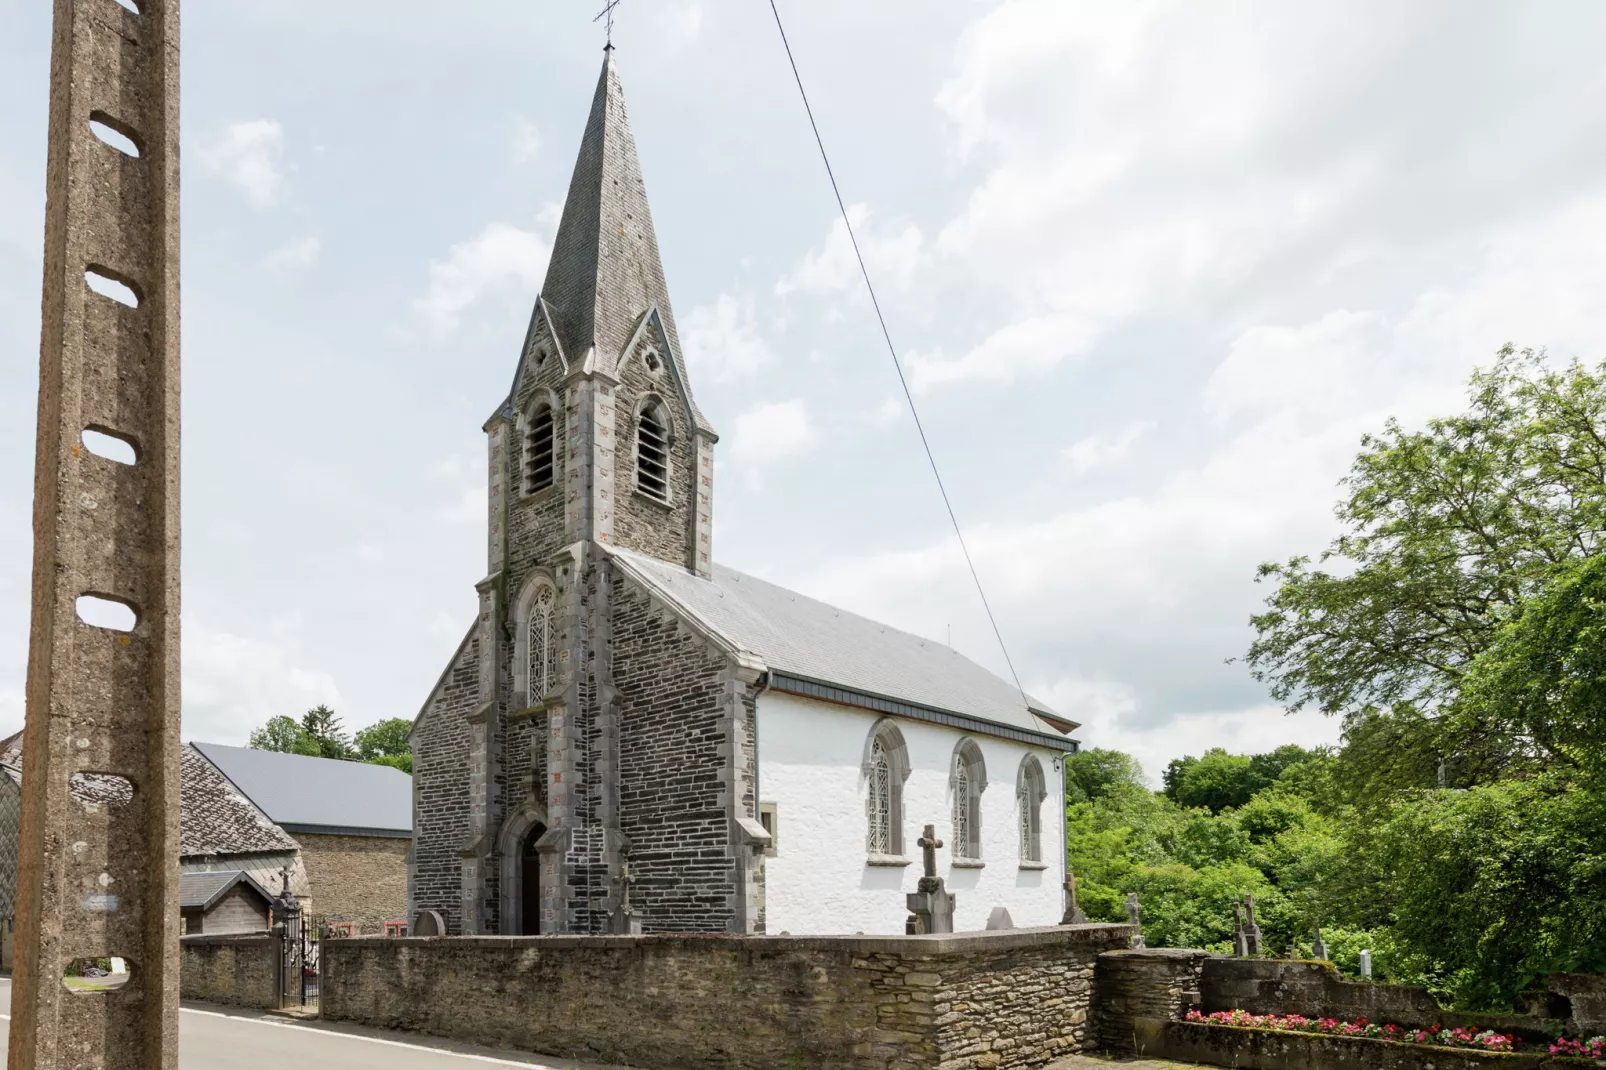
point(540, 449)
point(966, 781)
point(886, 767)
point(652, 450)
point(1030, 791)
point(538, 639)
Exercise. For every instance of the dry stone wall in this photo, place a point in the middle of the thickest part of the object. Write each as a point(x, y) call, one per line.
point(238, 969)
point(1157, 983)
point(357, 879)
point(974, 1001)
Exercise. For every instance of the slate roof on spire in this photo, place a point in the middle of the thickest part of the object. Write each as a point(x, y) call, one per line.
point(605, 272)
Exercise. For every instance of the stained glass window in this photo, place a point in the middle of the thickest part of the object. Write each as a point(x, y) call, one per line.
point(543, 644)
point(881, 841)
point(964, 796)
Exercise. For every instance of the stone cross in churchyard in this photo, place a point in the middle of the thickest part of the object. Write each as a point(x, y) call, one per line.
point(1073, 911)
point(622, 919)
point(1240, 938)
point(1134, 917)
point(1251, 929)
point(932, 906)
point(1318, 947)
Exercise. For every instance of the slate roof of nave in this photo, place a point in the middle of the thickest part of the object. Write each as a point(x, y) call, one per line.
point(814, 640)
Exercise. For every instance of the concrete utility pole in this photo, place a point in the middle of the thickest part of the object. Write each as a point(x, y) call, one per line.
point(100, 796)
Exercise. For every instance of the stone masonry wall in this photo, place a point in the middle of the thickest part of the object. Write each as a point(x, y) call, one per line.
point(440, 790)
point(1159, 983)
point(1251, 1049)
point(237, 969)
point(640, 523)
point(975, 1001)
point(360, 879)
point(675, 795)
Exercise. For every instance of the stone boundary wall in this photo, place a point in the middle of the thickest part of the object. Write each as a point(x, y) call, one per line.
point(237, 968)
point(1254, 1049)
point(1142, 983)
point(1014, 998)
point(1318, 990)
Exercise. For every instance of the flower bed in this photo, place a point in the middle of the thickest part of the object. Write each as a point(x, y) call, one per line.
point(1438, 1036)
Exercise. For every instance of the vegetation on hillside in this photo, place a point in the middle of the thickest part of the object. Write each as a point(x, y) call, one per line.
point(1458, 627)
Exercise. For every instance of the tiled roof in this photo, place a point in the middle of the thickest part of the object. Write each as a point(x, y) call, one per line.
point(198, 891)
point(305, 794)
point(802, 636)
point(217, 818)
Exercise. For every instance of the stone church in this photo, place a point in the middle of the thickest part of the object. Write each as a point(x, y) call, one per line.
point(632, 736)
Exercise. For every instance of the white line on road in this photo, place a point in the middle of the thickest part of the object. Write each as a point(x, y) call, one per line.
point(351, 1036)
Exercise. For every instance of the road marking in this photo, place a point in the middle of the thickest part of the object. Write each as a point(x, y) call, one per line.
point(354, 1036)
point(358, 1036)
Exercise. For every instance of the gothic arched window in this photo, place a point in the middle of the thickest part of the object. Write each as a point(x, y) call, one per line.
point(967, 780)
point(541, 643)
point(540, 450)
point(1029, 794)
point(652, 451)
point(886, 766)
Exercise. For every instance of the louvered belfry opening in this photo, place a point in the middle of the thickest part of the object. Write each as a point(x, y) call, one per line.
point(539, 451)
point(652, 453)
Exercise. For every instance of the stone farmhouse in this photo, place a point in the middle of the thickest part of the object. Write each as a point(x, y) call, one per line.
point(340, 830)
point(632, 736)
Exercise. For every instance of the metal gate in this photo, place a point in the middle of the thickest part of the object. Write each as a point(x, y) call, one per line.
point(298, 955)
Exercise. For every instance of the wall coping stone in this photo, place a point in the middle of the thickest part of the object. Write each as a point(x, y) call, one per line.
point(259, 936)
point(924, 946)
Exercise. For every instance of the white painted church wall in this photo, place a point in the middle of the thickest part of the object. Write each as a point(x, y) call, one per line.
point(810, 755)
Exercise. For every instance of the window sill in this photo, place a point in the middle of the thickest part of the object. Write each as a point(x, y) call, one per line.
point(1034, 865)
point(650, 500)
point(886, 860)
point(967, 863)
point(548, 491)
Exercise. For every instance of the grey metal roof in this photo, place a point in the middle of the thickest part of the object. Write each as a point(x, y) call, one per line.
point(801, 636)
point(305, 794)
point(199, 891)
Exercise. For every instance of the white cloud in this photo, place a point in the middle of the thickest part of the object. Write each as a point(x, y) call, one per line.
point(499, 258)
point(234, 683)
point(722, 340)
point(250, 155)
point(769, 433)
point(1101, 450)
point(526, 141)
point(888, 412)
point(294, 256)
point(680, 25)
point(893, 257)
point(1030, 345)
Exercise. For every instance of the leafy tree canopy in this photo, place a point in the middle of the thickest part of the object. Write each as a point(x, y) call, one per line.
point(386, 743)
point(320, 734)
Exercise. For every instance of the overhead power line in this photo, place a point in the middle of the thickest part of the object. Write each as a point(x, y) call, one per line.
point(892, 351)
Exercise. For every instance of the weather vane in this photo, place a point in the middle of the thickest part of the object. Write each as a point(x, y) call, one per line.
point(607, 12)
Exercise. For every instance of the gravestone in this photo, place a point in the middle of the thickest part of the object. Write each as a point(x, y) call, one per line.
point(1251, 929)
point(622, 919)
point(1240, 946)
point(932, 905)
point(1134, 917)
point(1000, 919)
point(1318, 947)
point(428, 923)
point(1073, 911)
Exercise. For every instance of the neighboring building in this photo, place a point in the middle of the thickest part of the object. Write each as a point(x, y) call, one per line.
point(219, 903)
point(353, 822)
point(339, 830)
point(753, 759)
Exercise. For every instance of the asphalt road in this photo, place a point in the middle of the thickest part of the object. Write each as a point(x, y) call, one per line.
point(219, 1038)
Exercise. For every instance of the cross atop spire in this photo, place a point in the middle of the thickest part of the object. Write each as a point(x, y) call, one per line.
point(608, 12)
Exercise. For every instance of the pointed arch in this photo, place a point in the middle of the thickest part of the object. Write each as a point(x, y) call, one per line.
point(655, 439)
point(967, 779)
point(522, 828)
point(885, 767)
point(1030, 791)
point(536, 638)
point(540, 424)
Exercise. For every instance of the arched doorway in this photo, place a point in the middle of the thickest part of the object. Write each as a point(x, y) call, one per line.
point(530, 881)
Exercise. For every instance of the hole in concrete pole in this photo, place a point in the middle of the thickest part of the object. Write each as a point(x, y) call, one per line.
point(114, 132)
point(85, 975)
point(108, 283)
point(129, 5)
point(100, 612)
point(110, 445)
point(96, 792)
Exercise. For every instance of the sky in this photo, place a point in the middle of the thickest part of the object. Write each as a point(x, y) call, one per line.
point(1153, 270)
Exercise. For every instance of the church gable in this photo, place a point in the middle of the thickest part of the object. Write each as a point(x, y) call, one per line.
point(440, 743)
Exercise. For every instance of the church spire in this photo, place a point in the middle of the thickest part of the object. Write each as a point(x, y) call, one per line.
point(605, 273)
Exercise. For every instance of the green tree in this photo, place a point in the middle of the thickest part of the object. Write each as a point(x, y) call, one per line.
point(1446, 531)
point(1216, 780)
point(1093, 774)
point(286, 735)
point(321, 725)
point(385, 743)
